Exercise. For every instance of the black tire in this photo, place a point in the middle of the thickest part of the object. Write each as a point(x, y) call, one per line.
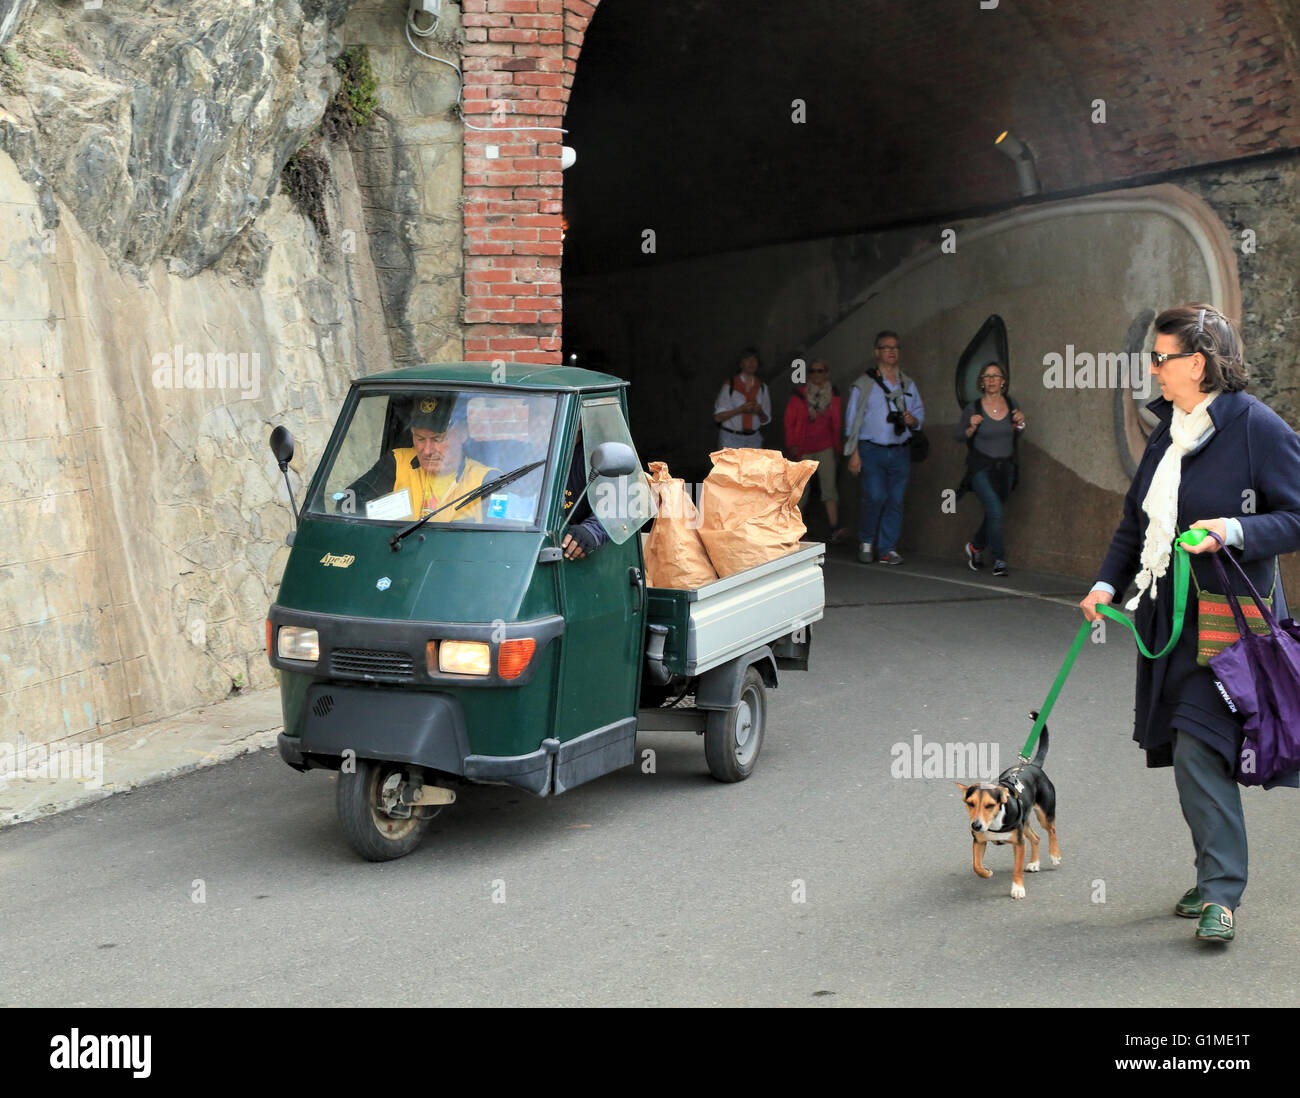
point(734, 736)
point(370, 831)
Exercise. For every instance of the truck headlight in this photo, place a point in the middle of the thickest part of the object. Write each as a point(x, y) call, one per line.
point(296, 643)
point(464, 658)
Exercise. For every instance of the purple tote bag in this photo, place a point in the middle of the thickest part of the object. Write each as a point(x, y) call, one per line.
point(1261, 674)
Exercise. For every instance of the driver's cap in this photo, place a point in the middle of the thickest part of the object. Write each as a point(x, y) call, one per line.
point(432, 413)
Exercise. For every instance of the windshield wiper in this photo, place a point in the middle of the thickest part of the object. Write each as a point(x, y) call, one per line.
point(464, 501)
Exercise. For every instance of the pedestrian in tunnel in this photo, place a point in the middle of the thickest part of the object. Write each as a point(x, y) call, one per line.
point(884, 408)
point(813, 421)
point(1221, 461)
point(743, 406)
point(991, 426)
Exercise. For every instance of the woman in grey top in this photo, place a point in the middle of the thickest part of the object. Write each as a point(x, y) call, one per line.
point(989, 426)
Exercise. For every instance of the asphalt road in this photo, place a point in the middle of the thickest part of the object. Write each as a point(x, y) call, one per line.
point(822, 880)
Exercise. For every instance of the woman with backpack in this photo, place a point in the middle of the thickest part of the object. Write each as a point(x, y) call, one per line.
point(744, 405)
point(990, 426)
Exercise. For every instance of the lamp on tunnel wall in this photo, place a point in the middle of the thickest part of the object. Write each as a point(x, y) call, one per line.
point(568, 157)
point(1023, 158)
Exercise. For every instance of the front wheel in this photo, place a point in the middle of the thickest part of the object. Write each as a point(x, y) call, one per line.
point(363, 799)
point(734, 736)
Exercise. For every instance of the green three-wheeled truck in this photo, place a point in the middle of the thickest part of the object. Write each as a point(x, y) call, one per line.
point(443, 618)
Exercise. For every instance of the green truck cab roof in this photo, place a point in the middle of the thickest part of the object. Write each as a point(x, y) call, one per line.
point(512, 375)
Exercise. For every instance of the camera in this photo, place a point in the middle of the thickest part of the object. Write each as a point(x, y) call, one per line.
point(896, 418)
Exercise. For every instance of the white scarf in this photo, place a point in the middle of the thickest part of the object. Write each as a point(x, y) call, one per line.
point(1161, 503)
point(818, 398)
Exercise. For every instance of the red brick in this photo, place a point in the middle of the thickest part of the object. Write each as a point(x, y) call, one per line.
point(513, 343)
point(516, 261)
point(512, 34)
point(539, 22)
point(509, 179)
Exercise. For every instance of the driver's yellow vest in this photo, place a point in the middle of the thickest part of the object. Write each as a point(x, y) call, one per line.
point(429, 491)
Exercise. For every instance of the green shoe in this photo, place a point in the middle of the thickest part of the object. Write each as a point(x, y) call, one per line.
point(1189, 907)
point(1215, 925)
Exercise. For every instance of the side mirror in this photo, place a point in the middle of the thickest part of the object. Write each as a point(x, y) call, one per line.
point(613, 459)
point(282, 445)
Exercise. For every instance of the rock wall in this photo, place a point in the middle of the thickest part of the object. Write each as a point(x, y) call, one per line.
point(163, 305)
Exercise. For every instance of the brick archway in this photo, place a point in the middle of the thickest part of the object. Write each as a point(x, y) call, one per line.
point(520, 57)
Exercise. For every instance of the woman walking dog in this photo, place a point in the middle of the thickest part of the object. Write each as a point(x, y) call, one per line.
point(1222, 461)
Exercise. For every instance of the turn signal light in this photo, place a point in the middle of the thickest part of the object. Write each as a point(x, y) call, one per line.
point(513, 656)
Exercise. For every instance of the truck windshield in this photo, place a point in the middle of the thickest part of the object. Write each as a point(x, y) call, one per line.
point(403, 455)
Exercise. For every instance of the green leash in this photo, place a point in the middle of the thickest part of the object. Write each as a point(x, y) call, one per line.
point(1182, 577)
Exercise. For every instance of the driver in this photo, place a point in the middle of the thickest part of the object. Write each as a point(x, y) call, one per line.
point(433, 470)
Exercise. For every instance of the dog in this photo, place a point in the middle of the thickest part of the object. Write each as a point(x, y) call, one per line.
point(1000, 813)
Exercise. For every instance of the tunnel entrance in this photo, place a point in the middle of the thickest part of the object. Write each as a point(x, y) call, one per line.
point(796, 178)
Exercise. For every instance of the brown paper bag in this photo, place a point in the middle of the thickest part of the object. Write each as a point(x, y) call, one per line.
point(674, 554)
point(749, 507)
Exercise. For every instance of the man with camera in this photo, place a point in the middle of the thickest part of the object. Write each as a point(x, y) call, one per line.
point(884, 409)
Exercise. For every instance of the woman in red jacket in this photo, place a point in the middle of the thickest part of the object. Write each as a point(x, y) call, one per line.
point(813, 420)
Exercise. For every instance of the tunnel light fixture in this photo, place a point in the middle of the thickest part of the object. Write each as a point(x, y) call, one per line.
point(1023, 158)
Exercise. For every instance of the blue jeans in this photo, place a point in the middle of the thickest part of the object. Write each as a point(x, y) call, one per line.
point(885, 470)
point(989, 535)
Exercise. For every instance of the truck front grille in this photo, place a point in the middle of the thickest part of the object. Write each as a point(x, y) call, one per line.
point(361, 663)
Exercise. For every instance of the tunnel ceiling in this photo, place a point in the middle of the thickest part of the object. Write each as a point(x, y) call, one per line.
point(681, 110)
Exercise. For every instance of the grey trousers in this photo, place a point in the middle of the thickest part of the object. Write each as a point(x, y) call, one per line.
point(1211, 804)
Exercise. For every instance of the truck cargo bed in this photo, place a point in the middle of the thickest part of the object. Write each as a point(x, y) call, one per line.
point(710, 625)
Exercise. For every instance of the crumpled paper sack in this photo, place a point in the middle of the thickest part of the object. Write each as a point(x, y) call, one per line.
point(674, 554)
point(749, 507)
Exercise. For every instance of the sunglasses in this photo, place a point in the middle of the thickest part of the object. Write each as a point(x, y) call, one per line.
point(1160, 358)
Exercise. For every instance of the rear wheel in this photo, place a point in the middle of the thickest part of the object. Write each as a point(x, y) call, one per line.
point(364, 799)
point(733, 736)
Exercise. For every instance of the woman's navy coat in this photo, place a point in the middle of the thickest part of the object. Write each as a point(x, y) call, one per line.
point(1248, 470)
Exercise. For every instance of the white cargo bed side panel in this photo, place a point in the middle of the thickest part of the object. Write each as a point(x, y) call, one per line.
point(735, 621)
